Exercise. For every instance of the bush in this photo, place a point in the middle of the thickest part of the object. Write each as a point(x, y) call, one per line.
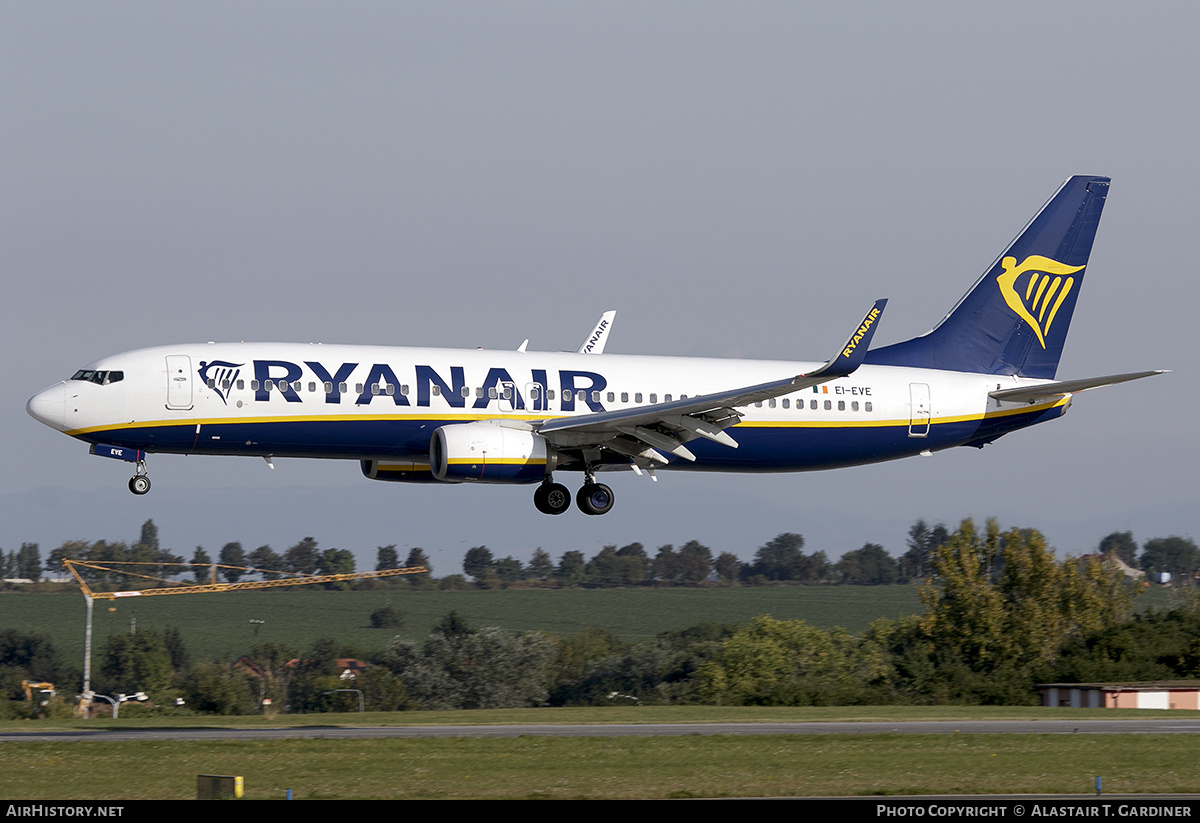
point(389, 617)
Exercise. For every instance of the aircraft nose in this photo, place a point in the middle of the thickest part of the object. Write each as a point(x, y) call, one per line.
point(49, 406)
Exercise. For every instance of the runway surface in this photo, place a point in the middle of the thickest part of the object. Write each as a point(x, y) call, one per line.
point(1138, 726)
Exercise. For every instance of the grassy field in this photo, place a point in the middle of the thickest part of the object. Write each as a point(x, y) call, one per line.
point(218, 625)
point(692, 766)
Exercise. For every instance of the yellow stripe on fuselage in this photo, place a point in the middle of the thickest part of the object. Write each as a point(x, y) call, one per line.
point(451, 417)
point(867, 424)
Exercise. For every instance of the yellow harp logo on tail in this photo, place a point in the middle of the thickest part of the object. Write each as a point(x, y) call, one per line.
point(1044, 291)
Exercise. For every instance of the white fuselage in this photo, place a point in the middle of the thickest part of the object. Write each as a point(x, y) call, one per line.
point(374, 402)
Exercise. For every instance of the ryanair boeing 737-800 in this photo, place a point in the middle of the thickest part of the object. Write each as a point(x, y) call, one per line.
point(422, 415)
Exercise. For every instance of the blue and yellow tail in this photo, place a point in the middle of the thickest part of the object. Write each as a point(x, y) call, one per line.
point(1014, 319)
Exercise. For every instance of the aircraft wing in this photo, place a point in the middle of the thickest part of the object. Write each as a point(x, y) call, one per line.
point(639, 433)
point(1032, 394)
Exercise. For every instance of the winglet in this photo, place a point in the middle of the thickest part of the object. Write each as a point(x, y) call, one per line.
point(854, 350)
point(594, 342)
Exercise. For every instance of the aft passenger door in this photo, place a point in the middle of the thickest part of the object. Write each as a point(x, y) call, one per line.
point(918, 424)
point(179, 381)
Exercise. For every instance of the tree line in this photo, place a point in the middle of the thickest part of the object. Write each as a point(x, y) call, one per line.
point(781, 560)
point(1001, 613)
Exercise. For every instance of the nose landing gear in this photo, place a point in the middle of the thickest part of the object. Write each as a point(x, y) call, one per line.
point(139, 484)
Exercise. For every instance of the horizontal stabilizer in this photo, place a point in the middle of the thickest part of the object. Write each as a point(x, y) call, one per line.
point(1031, 394)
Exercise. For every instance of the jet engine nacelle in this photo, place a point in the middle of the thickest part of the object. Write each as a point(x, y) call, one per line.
point(488, 453)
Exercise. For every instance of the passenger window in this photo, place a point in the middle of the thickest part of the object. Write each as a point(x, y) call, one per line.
point(507, 394)
point(549, 394)
point(854, 405)
point(465, 392)
point(492, 393)
point(595, 397)
point(269, 385)
point(391, 389)
point(653, 398)
point(841, 405)
point(212, 382)
point(312, 387)
point(771, 403)
point(637, 397)
point(374, 388)
point(253, 385)
point(624, 397)
point(611, 397)
point(404, 390)
point(758, 404)
point(329, 387)
point(828, 405)
point(437, 390)
point(868, 406)
point(812, 404)
point(225, 385)
point(666, 398)
point(358, 388)
point(342, 388)
point(786, 403)
point(241, 384)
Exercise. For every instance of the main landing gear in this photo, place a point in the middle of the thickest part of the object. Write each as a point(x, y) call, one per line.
point(139, 484)
point(551, 497)
point(554, 498)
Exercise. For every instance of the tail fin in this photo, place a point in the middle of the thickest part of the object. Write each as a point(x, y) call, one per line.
point(1014, 319)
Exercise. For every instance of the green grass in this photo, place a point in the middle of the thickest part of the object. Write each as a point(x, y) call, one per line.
point(539, 767)
point(625, 767)
point(217, 625)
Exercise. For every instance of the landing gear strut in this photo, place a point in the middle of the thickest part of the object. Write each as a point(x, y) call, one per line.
point(139, 484)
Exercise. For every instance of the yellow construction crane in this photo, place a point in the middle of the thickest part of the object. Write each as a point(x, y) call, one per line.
point(175, 587)
point(167, 586)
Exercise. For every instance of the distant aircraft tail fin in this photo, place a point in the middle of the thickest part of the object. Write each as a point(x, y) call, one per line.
point(1014, 319)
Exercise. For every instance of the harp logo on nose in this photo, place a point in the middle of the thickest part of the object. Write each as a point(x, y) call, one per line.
point(221, 374)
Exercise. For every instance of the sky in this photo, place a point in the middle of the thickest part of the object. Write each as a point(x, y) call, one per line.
point(734, 179)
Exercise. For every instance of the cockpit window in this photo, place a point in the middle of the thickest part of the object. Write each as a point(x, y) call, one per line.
point(100, 378)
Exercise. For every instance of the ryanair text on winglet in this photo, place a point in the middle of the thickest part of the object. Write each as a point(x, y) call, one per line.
point(862, 330)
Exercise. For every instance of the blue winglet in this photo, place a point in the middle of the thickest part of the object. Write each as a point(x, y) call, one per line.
point(854, 351)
